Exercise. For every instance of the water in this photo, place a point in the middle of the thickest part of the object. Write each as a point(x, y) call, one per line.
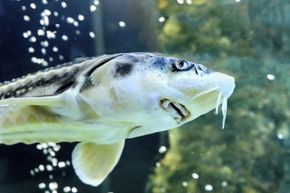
point(247, 39)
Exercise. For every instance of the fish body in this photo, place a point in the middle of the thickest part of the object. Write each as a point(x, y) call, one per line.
point(102, 101)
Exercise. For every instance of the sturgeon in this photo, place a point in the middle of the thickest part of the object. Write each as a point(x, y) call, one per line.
point(102, 101)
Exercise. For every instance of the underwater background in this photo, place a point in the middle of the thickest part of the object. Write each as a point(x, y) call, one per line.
point(249, 39)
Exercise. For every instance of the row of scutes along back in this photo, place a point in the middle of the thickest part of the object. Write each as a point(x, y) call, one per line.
point(24, 85)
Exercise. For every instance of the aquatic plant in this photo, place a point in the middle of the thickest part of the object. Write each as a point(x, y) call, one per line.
point(251, 155)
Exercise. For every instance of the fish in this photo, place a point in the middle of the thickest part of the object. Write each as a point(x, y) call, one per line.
point(102, 101)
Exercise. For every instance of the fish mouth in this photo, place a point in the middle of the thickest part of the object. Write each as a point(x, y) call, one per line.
point(176, 110)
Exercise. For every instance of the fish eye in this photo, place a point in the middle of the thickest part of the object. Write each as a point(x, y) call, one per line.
point(182, 65)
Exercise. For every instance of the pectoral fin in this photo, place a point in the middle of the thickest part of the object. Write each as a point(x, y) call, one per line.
point(93, 162)
point(50, 101)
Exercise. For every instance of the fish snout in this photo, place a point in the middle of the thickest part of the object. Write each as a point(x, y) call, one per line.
point(224, 83)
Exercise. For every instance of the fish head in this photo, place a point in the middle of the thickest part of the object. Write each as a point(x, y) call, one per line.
point(195, 89)
point(160, 92)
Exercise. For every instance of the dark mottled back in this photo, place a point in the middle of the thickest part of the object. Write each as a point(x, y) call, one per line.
point(46, 82)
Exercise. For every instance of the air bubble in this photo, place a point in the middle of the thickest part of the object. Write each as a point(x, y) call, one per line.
point(55, 49)
point(96, 2)
point(32, 173)
point(51, 34)
point(26, 34)
point(184, 184)
point(162, 149)
point(64, 37)
point(55, 13)
point(31, 50)
point(66, 189)
point(61, 57)
point(32, 39)
point(45, 21)
point(56, 148)
point(51, 153)
point(40, 32)
point(33, 5)
point(224, 184)
point(280, 136)
point(63, 4)
point(46, 12)
point(26, 18)
point(70, 20)
point(208, 187)
point(43, 51)
point(41, 167)
point(161, 19)
point(195, 176)
point(53, 186)
point(61, 164)
point(122, 24)
point(44, 44)
point(44, 145)
point(180, 2)
point(189, 2)
point(81, 17)
point(49, 168)
point(74, 190)
point(92, 34)
point(93, 8)
point(270, 77)
point(41, 185)
point(54, 162)
point(76, 24)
